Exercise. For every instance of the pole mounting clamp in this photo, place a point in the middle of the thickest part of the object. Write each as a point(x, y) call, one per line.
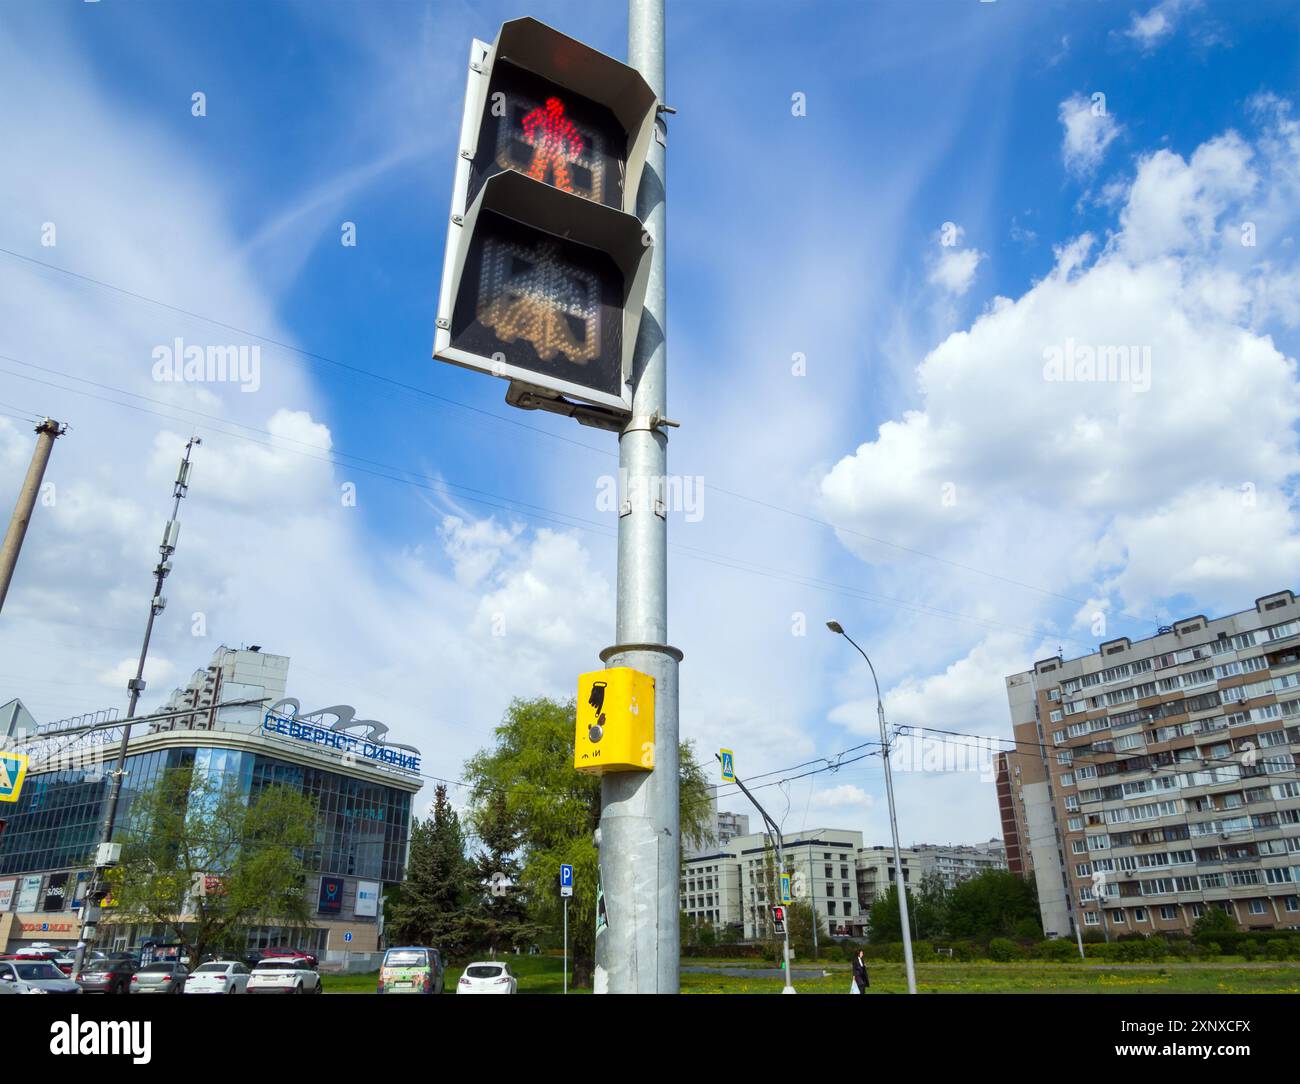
point(648, 423)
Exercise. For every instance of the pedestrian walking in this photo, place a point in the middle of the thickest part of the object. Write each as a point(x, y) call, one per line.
point(861, 980)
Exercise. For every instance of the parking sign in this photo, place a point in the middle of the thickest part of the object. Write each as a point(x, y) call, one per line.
point(566, 880)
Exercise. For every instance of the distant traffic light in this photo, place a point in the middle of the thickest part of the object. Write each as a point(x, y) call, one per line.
point(778, 919)
point(546, 262)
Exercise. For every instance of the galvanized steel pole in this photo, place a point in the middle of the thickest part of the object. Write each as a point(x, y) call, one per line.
point(638, 945)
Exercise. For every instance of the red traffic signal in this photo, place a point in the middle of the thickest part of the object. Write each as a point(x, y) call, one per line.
point(778, 919)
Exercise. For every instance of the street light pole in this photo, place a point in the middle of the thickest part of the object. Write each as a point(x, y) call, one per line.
point(899, 880)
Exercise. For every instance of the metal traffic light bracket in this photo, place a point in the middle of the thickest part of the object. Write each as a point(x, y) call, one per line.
point(615, 421)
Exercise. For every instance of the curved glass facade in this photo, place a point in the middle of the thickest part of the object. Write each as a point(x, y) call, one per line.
point(361, 830)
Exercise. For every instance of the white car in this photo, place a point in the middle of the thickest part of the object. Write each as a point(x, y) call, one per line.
point(284, 975)
point(218, 977)
point(488, 977)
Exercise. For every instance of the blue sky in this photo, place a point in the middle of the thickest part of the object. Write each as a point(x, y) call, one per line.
point(817, 235)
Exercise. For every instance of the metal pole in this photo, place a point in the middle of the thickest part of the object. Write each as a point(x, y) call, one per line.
point(566, 944)
point(136, 686)
point(773, 831)
point(638, 949)
point(812, 900)
point(893, 818)
point(46, 433)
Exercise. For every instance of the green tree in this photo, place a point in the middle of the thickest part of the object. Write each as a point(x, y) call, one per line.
point(556, 811)
point(799, 918)
point(206, 862)
point(501, 919)
point(434, 907)
point(928, 905)
point(994, 903)
point(883, 922)
point(1213, 924)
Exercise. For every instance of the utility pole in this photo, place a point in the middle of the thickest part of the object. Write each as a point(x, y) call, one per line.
point(638, 948)
point(899, 879)
point(171, 533)
point(46, 433)
point(773, 831)
point(812, 900)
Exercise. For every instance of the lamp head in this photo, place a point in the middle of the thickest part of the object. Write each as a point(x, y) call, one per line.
point(835, 627)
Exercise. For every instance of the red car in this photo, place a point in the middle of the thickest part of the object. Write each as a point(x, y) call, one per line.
point(278, 952)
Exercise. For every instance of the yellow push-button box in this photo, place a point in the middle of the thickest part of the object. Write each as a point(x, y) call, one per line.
point(616, 721)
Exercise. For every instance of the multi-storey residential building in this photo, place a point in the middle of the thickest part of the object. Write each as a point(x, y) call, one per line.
point(951, 863)
point(1152, 780)
point(734, 886)
point(724, 828)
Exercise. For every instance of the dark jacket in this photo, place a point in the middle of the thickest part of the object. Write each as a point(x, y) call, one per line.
point(860, 974)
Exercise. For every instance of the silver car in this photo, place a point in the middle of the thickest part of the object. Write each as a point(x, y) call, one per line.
point(160, 978)
point(35, 977)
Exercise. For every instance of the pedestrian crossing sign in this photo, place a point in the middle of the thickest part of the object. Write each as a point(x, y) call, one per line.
point(13, 770)
point(728, 765)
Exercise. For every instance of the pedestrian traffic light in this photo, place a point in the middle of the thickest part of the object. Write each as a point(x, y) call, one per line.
point(778, 919)
point(546, 262)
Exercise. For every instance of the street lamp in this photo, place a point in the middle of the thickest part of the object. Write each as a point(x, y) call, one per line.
point(900, 881)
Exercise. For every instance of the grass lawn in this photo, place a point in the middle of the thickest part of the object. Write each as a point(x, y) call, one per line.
point(543, 975)
point(537, 975)
point(1024, 978)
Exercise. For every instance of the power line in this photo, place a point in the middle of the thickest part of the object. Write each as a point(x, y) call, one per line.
point(548, 515)
point(358, 371)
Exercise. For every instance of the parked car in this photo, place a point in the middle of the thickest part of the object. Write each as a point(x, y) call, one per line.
point(488, 977)
point(35, 976)
point(256, 956)
point(218, 977)
point(106, 976)
point(285, 975)
point(411, 969)
point(163, 977)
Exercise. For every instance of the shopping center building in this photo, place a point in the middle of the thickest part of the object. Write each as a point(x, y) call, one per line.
point(233, 723)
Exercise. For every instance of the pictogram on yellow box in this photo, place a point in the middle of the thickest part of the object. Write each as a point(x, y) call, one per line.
point(616, 721)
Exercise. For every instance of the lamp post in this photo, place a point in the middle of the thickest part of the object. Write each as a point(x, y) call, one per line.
point(899, 880)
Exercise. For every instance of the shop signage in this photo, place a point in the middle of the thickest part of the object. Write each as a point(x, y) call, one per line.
point(329, 728)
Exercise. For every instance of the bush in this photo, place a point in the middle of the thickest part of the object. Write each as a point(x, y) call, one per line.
point(725, 952)
point(965, 951)
point(1003, 950)
point(1057, 951)
point(1130, 951)
point(1248, 949)
point(1210, 948)
point(1278, 948)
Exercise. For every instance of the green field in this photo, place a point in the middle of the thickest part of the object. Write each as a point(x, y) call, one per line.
point(1022, 978)
point(542, 975)
point(537, 975)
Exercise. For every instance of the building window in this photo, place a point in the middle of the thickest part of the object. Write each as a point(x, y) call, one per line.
point(1258, 907)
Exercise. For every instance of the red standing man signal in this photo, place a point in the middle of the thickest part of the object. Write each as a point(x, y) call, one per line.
point(555, 140)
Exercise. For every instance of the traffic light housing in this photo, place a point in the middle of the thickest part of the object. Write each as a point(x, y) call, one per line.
point(546, 262)
point(778, 919)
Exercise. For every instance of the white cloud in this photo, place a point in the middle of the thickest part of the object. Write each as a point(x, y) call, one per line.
point(1089, 130)
point(844, 796)
point(1152, 27)
point(954, 270)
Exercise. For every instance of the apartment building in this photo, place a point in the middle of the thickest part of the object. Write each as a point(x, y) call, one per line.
point(1154, 779)
point(734, 886)
point(951, 863)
